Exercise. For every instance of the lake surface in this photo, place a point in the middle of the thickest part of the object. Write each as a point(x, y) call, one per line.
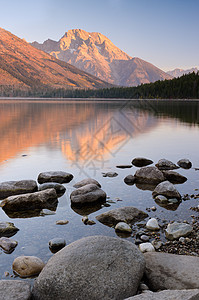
point(86, 138)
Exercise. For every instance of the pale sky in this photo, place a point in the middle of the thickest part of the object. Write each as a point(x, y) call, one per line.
point(162, 32)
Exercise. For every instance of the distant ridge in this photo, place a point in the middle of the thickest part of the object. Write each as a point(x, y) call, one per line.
point(181, 72)
point(94, 53)
point(24, 67)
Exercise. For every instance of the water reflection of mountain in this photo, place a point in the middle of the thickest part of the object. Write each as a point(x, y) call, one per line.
point(79, 129)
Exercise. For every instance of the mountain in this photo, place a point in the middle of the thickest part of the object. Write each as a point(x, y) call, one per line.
point(24, 67)
point(180, 72)
point(94, 53)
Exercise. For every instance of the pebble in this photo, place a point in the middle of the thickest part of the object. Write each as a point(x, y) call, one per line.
point(156, 244)
point(122, 226)
point(62, 222)
point(146, 247)
point(153, 208)
point(91, 222)
point(144, 238)
point(152, 224)
point(85, 220)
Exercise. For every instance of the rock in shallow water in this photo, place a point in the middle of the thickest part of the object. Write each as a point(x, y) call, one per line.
point(27, 266)
point(110, 174)
point(97, 267)
point(174, 177)
point(176, 230)
point(166, 189)
point(129, 179)
point(165, 164)
point(56, 244)
point(85, 182)
point(123, 227)
point(149, 175)
point(87, 194)
point(184, 163)
point(7, 229)
point(7, 244)
point(141, 162)
point(152, 224)
point(59, 188)
point(55, 176)
point(10, 188)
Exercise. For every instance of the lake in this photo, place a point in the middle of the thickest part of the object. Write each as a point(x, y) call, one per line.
point(86, 138)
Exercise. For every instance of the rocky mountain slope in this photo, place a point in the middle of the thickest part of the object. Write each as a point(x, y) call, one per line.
point(181, 72)
point(94, 53)
point(24, 67)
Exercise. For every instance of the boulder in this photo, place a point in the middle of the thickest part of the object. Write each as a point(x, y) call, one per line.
point(171, 271)
point(27, 266)
point(129, 215)
point(165, 164)
point(152, 224)
point(7, 244)
point(95, 267)
point(146, 247)
point(10, 188)
point(87, 194)
point(129, 179)
point(176, 230)
point(37, 200)
point(56, 244)
point(168, 295)
point(15, 290)
point(7, 229)
point(141, 162)
point(184, 163)
point(59, 188)
point(54, 176)
point(123, 227)
point(149, 175)
point(166, 189)
point(85, 182)
point(174, 177)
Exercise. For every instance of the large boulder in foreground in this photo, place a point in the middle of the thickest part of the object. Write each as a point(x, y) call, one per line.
point(10, 188)
point(168, 295)
point(96, 267)
point(37, 200)
point(166, 189)
point(90, 193)
point(171, 271)
point(54, 176)
point(129, 215)
point(15, 290)
point(149, 175)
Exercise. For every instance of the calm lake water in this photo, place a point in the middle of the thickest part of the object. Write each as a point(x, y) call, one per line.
point(86, 138)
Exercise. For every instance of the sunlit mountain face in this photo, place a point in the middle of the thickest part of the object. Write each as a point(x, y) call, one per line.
point(77, 129)
point(24, 67)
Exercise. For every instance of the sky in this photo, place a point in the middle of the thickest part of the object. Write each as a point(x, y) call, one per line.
point(162, 32)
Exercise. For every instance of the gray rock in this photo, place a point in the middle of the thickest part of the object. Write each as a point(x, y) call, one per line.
point(176, 230)
point(7, 244)
point(124, 166)
point(7, 229)
point(171, 271)
point(87, 194)
point(161, 199)
point(54, 176)
point(37, 200)
point(59, 188)
point(109, 174)
point(129, 179)
point(184, 163)
point(97, 267)
point(27, 266)
point(168, 295)
point(165, 164)
point(174, 177)
point(156, 244)
point(149, 175)
point(126, 214)
point(146, 247)
point(173, 201)
point(10, 188)
point(145, 238)
point(152, 224)
point(141, 162)
point(85, 182)
point(166, 189)
point(15, 290)
point(123, 227)
point(56, 244)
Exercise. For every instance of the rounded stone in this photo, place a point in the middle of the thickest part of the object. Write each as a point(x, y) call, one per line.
point(96, 267)
point(146, 247)
point(27, 266)
point(141, 162)
point(129, 179)
point(59, 188)
point(176, 230)
point(152, 224)
point(62, 222)
point(166, 189)
point(184, 163)
point(85, 182)
point(149, 175)
point(123, 227)
point(165, 164)
point(87, 194)
point(55, 176)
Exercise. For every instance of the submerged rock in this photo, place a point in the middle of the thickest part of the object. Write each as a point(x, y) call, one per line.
point(27, 266)
point(109, 174)
point(7, 244)
point(123, 227)
point(141, 162)
point(37, 200)
point(56, 244)
point(10, 188)
point(127, 214)
point(87, 194)
point(7, 229)
point(96, 267)
point(176, 230)
point(55, 176)
point(59, 188)
point(184, 163)
point(165, 164)
point(166, 189)
point(15, 290)
point(85, 182)
point(149, 175)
